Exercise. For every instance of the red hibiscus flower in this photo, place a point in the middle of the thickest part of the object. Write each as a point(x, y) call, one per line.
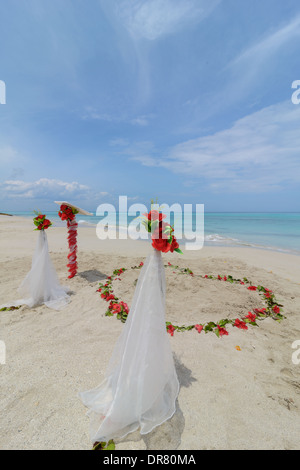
point(116, 308)
point(171, 330)
point(125, 306)
point(222, 331)
point(276, 309)
point(199, 328)
point(110, 297)
point(251, 316)
point(252, 288)
point(240, 324)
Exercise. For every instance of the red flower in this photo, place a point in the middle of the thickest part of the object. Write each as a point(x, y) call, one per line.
point(219, 277)
point(240, 324)
point(171, 330)
point(222, 331)
point(252, 288)
point(242, 283)
point(155, 215)
point(276, 309)
point(46, 223)
point(260, 310)
point(116, 308)
point(125, 306)
point(160, 241)
point(110, 297)
point(251, 316)
point(225, 278)
point(199, 328)
point(174, 245)
point(66, 213)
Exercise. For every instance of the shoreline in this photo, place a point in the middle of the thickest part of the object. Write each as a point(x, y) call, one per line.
point(207, 244)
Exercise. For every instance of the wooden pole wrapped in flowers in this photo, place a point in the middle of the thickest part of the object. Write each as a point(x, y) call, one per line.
point(68, 212)
point(140, 386)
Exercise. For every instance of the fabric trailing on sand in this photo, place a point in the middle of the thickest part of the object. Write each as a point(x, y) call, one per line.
point(141, 384)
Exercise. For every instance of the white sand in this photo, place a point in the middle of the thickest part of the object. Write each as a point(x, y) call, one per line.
point(229, 399)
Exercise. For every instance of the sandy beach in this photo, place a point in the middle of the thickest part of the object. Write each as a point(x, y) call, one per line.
point(230, 398)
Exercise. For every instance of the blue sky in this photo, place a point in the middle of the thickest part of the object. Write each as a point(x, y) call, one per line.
point(186, 101)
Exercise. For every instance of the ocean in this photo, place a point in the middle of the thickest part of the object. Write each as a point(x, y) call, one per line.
point(272, 231)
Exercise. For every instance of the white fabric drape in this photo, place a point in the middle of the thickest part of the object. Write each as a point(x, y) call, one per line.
point(41, 284)
point(141, 385)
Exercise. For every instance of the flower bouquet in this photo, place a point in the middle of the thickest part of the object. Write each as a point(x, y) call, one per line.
point(41, 222)
point(162, 233)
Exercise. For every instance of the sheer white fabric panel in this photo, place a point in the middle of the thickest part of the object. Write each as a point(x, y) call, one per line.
point(41, 284)
point(141, 385)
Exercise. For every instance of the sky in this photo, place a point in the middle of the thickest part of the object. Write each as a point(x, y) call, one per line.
point(183, 101)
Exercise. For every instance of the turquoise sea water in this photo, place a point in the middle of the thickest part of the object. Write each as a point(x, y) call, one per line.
point(275, 231)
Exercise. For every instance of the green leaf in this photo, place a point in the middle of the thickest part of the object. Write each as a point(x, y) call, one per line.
point(154, 225)
point(178, 250)
point(217, 332)
point(110, 445)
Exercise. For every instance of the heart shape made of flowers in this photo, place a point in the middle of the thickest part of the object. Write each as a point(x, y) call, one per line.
point(271, 309)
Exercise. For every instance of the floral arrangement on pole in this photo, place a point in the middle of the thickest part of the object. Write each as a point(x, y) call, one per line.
point(68, 213)
point(41, 222)
point(162, 233)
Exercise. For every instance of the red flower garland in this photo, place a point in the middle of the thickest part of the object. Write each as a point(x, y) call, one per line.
point(68, 214)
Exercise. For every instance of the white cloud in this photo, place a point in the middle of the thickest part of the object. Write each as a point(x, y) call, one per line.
point(269, 45)
point(260, 152)
point(92, 114)
point(44, 188)
point(151, 19)
point(258, 63)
